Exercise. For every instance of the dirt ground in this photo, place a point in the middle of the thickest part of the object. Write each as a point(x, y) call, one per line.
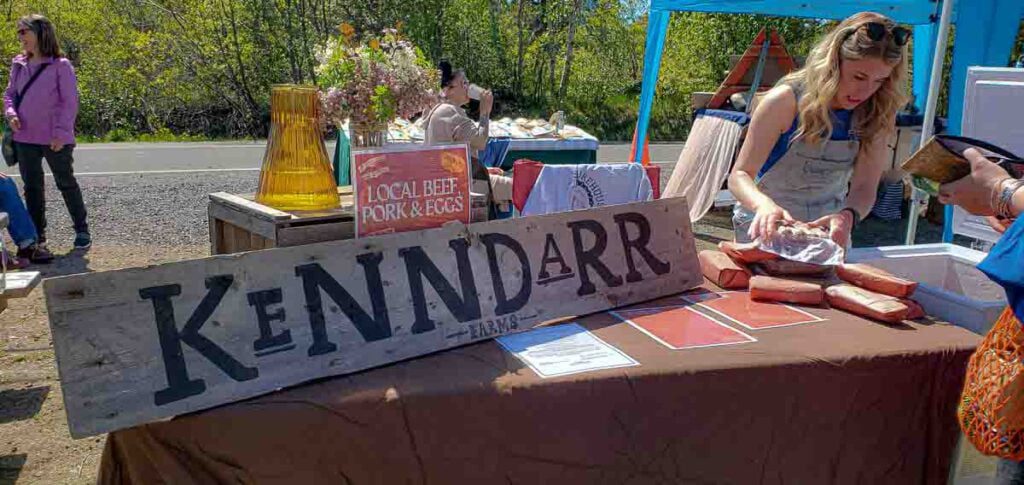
point(35, 446)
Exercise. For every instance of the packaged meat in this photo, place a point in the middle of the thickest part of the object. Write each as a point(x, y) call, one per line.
point(785, 267)
point(915, 310)
point(746, 252)
point(770, 288)
point(866, 303)
point(800, 242)
point(723, 271)
point(877, 280)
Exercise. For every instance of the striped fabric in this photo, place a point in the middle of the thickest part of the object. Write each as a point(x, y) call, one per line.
point(889, 203)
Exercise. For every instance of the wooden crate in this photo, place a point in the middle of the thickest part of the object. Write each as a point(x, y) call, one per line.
point(238, 223)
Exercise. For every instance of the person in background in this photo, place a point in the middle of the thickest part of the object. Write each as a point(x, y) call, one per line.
point(20, 227)
point(44, 123)
point(816, 145)
point(447, 122)
point(990, 191)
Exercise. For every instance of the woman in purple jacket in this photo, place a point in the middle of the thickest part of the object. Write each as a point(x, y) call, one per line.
point(44, 123)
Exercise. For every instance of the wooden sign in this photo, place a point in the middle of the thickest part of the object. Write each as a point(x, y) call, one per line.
point(137, 345)
point(410, 188)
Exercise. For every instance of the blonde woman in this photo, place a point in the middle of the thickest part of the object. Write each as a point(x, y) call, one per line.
point(816, 146)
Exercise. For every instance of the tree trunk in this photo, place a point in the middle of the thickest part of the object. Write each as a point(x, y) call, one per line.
point(306, 66)
point(570, 38)
point(538, 83)
point(521, 57)
point(439, 46)
point(552, 67)
point(496, 43)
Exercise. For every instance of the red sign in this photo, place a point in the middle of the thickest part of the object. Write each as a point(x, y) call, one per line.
point(738, 307)
point(410, 188)
point(682, 327)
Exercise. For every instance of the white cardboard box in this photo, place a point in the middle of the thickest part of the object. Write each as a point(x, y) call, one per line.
point(950, 286)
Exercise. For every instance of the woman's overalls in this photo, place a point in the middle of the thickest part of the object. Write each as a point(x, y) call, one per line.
point(809, 181)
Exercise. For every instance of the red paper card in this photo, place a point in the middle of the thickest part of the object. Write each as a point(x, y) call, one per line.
point(738, 307)
point(410, 188)
point(682, 327)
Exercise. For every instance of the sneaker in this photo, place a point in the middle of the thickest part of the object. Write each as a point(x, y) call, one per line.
point(83, 240)
point(36, 254)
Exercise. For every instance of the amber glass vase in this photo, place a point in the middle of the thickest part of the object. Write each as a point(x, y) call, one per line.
point(296, 174)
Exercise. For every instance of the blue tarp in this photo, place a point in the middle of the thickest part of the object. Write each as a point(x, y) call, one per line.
point(985, 33)
point(737, 117)
point(903, 11)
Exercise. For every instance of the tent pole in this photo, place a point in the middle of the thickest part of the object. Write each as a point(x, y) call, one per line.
point(657, 25)
point(929, 111)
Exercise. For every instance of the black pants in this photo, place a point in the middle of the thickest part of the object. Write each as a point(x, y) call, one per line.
point(30, 164)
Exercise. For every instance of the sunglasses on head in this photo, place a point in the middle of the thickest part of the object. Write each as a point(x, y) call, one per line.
point(877, 30)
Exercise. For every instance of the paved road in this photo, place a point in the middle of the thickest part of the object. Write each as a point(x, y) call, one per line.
point(155, 194)
point(116, 158)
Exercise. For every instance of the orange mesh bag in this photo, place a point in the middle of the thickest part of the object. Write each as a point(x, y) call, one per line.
point(991, 410)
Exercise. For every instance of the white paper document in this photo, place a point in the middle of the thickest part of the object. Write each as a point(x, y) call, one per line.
point(564, 349)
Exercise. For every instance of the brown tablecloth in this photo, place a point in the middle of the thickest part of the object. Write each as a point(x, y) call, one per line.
point(841, 401)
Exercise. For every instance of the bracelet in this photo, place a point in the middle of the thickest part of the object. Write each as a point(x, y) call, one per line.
point(1004, 204)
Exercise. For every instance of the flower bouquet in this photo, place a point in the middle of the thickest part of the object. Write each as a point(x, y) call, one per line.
point(372, 81)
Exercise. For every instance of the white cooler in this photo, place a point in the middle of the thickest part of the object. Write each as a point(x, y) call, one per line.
point(950, 286)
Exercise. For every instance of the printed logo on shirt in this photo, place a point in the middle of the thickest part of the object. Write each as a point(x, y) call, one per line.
point(586, 192)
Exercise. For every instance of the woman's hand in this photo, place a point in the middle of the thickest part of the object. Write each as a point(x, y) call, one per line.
point(766, 219)
point(997, 224)
point(495, 171)
point(486, 103)
point(14, 123)
point(975, 192)
point(839, 225)
point(56, 145)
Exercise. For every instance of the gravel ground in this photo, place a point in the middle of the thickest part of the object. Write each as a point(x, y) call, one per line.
point(144, 209)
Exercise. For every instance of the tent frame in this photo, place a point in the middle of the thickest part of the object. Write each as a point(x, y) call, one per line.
point(985, 35)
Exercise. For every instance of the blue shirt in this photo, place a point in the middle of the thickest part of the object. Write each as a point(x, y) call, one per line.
point(840, 131)
point(1005, 266)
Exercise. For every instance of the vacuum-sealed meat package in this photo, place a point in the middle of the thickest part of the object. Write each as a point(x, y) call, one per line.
point(723, 271)
point(769, 288)
point(746, 252)
point(916, 311)
point(785, 267)
point(874, 279)
point(800, 242)
point(866, 303)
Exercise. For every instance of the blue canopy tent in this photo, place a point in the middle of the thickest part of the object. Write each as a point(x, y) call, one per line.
point(984, 36)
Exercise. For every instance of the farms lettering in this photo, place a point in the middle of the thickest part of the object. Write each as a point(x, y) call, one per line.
point(405, 199)
point(482, 317)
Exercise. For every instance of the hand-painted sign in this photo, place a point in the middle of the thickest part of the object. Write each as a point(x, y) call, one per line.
point(141, 344)
point(400, 189)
